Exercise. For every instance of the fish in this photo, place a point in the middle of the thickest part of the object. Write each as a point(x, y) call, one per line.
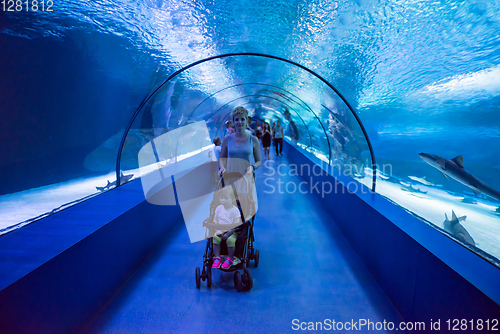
point(421, 180)
point(424, 181)
point(468, 200)
point(456, 229)
point(123, 179)
point(455, 169)
point(410, 188)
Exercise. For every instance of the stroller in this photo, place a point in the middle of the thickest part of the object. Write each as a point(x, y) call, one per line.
point(244, 242)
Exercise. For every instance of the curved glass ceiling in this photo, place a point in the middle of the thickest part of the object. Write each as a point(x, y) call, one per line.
point(319, 120)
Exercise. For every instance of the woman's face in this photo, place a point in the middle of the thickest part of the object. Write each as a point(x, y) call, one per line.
point(240, 121)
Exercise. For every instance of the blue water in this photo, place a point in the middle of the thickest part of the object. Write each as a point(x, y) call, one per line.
point(422, 76)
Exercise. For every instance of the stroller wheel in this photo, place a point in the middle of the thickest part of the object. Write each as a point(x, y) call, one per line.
point(247, 279)
point(198, 277)
point(256, 258)
point(237, 281)
point(209, 277)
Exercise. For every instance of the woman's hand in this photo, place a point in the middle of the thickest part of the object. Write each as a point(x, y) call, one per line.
point(222, 171)
point(250, 170)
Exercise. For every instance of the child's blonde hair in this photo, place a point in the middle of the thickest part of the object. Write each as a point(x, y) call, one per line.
point(227, 191)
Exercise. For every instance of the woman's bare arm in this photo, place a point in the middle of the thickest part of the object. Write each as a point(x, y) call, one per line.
point(256, 152)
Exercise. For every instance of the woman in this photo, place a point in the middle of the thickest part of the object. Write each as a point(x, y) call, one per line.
point(266, 140)
point(240, 148)
point(237, 153)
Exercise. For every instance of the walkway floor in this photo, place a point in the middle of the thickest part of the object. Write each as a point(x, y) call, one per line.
point(307, 271)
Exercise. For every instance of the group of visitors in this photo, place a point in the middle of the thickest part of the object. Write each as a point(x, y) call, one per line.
point(266, 134)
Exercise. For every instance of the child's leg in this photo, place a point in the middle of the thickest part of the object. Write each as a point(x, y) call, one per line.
point(231, 245)
point(230, 252)
point(216, 250)
point(216, 242)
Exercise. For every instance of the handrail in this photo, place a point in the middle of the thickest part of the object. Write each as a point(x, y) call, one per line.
point(120, 148)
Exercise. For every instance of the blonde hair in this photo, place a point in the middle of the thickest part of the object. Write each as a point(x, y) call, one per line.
point(240, 111)
point(227, 191)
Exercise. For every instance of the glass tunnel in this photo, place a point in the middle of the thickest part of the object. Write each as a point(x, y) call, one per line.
point(316, 116)
point(402, 98)
point(333, 133)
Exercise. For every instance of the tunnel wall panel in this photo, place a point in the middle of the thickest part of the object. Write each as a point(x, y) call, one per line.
point(58, 272)
point(421, 284)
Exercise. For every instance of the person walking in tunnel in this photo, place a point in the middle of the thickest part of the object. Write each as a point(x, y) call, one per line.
point(258, 130)
point(240, 148)
point(266, 140)
point(229, 127)
point(278, 131)
point(273, 125)
point(237, 153)
point(215, 152)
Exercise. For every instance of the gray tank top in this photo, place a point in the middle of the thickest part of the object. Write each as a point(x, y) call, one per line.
point(239, 157)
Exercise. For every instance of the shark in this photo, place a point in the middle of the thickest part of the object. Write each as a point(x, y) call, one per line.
point(454, 227)
point(455, 169)
point(123, 179)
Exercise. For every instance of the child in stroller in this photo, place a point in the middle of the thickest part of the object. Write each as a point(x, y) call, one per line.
point(226, 225)
point(226, 214)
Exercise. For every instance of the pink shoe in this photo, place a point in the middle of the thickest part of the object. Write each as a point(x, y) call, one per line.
point(217, 262)
point(227, 264)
